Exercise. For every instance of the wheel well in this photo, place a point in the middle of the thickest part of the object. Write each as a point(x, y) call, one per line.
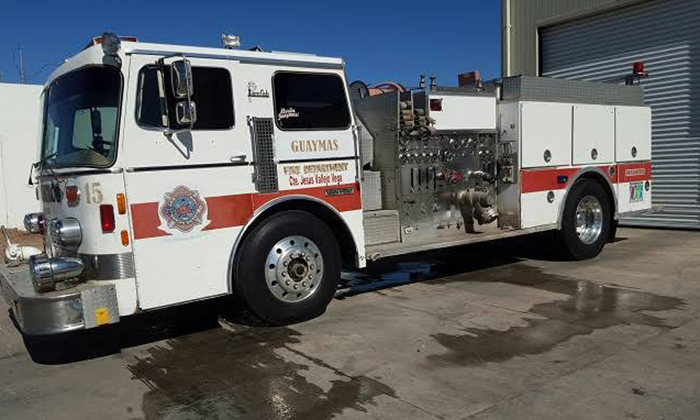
point(346, 242)
point(595, 176)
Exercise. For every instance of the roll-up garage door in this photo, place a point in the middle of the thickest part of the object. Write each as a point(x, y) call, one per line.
point(665, 35)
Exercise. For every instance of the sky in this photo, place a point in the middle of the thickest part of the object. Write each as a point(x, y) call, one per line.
point(380, 40)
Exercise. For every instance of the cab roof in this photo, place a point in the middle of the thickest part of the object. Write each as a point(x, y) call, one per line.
point(94, 54)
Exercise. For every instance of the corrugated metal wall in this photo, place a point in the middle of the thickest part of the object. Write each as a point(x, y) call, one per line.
point(522, 17)
point(665, 34)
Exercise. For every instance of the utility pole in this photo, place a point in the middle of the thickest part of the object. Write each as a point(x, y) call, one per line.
point(21, 65)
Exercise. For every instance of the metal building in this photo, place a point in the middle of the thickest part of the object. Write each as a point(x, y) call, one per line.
point(599, 40)
point(20, 120)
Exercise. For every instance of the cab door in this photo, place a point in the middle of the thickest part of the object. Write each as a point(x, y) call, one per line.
point(188, 192)
point(314, 131)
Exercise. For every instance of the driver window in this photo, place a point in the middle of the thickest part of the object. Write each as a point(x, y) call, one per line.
point(213, 95)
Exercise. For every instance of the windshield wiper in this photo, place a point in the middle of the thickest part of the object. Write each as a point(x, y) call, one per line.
point(41, 165)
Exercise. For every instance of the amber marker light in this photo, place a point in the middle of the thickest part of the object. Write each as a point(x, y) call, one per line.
point(125, 238)
point(121, 203)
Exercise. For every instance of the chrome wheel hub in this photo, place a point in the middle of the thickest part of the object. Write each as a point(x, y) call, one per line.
point(589, 219)
point(294, 269)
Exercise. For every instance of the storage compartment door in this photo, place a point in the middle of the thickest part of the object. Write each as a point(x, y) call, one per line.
point(463, 113)
point(632, 133)
point(545, 134)
point(594, 134)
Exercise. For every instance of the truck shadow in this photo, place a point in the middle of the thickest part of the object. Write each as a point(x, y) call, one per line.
point(393, 272)
point(169, 323)
point(129, 332)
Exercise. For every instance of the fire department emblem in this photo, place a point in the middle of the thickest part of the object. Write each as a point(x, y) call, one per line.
point(183, 209)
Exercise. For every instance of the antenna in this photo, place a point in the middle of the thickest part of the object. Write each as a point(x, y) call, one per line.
point(21, 65)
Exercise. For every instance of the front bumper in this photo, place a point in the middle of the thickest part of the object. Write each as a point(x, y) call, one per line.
point(80, 307)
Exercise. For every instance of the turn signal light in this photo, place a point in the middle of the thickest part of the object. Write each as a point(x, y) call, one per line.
point(107, 218)
point(121, 203)
point(72, 195)
point(125, 238)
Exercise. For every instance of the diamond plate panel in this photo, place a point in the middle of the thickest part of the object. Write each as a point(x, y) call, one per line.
point(372, 190)
point(545, 89)
point(100, 305)
point(381, 227)
point(265, 165)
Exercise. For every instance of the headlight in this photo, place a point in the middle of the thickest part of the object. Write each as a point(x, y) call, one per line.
point(66, 232)
point(34, 223)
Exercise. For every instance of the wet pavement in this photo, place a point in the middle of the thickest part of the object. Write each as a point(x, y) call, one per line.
point(496, 330)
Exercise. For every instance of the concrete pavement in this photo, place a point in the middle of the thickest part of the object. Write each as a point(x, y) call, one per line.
point(481, 332)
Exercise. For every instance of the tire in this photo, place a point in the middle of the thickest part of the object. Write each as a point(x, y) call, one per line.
point(288, 268)
point(586, 222)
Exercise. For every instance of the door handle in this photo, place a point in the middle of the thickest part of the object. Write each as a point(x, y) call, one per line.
point(238, 158)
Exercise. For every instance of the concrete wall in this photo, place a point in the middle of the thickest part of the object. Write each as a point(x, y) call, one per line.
point(19, 139)
point(523, 18)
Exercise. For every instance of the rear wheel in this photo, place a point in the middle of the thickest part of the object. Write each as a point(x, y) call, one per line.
point(586, 222)
point(288, 268)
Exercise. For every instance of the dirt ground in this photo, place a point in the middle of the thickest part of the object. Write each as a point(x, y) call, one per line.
point(21, 237)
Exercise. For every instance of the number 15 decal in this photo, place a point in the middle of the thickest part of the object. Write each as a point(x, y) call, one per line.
point(93, 193)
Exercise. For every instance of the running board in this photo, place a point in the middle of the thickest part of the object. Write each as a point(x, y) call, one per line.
point(376, 252)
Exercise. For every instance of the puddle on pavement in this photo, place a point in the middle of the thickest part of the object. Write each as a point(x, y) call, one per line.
point(222, 374)
point(587, 305)
point(218, 374)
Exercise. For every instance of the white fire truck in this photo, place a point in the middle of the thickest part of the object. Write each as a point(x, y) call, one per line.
point(172, 174)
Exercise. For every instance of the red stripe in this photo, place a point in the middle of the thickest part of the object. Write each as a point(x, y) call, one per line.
point(146, 221)
point(545, 179)
point(536, 180)
point(630, 172)
point(235, 210)
point(229, 210)
point(344, 202)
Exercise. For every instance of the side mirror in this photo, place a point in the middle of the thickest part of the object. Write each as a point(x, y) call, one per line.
point(181, 79)
point(186, 113)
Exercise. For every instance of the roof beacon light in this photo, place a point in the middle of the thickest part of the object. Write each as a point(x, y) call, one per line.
point(231, 42)
point(638, 73)
point(111, 44)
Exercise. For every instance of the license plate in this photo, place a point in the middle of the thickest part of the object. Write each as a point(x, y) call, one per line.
point(636, 192)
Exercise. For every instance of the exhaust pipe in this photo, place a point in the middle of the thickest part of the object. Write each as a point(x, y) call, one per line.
point(47, 272)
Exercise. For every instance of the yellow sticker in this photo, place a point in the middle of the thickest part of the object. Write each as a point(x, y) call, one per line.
point(101, 316)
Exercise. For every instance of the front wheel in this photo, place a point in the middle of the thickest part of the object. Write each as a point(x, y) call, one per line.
point(288, 268)
point(586, 221)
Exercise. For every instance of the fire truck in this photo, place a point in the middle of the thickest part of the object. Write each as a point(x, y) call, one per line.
point(171, 174)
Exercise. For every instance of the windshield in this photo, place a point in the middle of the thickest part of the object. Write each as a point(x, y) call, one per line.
point(80, 118)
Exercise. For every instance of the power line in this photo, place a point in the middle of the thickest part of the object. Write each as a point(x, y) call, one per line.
point(42, 69)
point(18, 61)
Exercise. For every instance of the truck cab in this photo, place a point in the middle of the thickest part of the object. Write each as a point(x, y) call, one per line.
point(158, 161)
